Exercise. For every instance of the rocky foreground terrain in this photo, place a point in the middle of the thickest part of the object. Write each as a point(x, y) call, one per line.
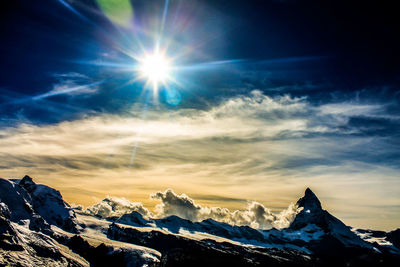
point(38, 228)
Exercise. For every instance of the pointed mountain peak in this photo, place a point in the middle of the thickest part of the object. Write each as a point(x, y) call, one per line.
point(27, 183)
point(310, 201)
point(27, 178)
point(308, 191)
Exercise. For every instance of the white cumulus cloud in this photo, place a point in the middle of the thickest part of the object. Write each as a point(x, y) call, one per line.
point(256, 215)
point(116, 206)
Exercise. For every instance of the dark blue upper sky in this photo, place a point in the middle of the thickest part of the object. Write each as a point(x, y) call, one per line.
point(322, 49)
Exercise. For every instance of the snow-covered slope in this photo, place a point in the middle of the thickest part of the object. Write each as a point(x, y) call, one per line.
point(332, 228)
point(19, 203)
point(38, 228)
point(49, 203)
point(312, 227)
point(381, 240)
point(21, 246)
point(27, 239)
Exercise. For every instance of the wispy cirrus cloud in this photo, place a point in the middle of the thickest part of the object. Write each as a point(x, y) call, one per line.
point(69, 84)
point(244, 146)
point(72, 84)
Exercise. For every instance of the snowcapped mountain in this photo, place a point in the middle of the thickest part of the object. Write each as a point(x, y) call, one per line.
point(49, 203)
point(37, 227)
point(21, 246)
point(25, 237)
point(313, 229)
point(335, 234)
point(18, 202)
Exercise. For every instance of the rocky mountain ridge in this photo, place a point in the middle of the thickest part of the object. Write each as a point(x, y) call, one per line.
point(37, 227)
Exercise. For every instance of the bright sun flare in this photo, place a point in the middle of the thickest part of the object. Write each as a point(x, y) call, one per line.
point(155, 68)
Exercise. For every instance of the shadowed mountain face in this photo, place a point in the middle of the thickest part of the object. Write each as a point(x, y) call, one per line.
point(49, 203)
point(314, 231)
point(181, 251)
point(312, 213)
point(336, 235)
point(309, 202)
point(35, 221)
point(25, 237)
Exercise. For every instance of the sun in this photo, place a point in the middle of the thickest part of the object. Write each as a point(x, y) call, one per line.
point(155, 68)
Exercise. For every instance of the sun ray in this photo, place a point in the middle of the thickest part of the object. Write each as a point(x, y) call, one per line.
point(155, 68)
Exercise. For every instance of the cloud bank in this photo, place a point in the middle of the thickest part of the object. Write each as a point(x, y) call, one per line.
point(256, 215)
point(116, 206)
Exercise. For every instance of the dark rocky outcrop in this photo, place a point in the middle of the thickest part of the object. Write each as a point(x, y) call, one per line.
point(180, 251)
point(8, 235)
point(20, 246)
point(314, 238)
point(134, 218)
point(49, 203)
point(106, 255)
point(394, 237)
point(335, 230)
point(19, 203)
point(97, 256)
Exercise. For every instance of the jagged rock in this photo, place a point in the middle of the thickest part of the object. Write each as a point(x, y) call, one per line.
point(19, 204)
point(310, 201)
point(334, 229)
point(4, 211)
point(27, 183)
point(8, 235)
point(382, 241)
point(17, 200)
point(20, 246)
point(394, 237)
point(315, 237)
point(181, 251)
point(174, 224)
point(106, 255)
point(49, 203)
point(229, 231)
point(134, 218)
point(311, 212)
